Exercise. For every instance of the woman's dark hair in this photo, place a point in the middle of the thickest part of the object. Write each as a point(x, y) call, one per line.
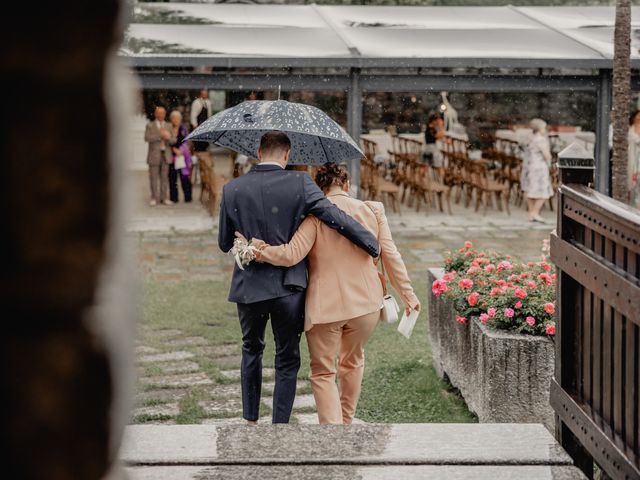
point(331, 174)
point(433, 116)
point(633, 117)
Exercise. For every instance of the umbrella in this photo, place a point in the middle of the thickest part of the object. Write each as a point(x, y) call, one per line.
point(315, 137)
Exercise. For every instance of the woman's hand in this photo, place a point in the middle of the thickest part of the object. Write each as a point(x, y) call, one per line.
point(408, 309)
point(256, 243)
point(259, 244)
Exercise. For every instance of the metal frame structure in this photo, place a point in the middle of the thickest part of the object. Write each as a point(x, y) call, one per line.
point(355, 84)
point(229, 72)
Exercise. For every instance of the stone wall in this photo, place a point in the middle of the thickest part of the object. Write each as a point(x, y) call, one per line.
point(503, 377)
point(60, 251)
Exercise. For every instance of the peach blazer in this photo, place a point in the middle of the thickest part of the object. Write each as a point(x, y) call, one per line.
point(343, 279)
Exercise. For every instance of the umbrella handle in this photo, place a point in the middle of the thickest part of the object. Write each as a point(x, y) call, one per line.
point(279, 86)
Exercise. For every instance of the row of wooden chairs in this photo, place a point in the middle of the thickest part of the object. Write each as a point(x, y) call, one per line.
point(404, 178)
point(473, 178)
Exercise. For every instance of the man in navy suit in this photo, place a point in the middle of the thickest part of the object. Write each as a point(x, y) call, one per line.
point(270, 203)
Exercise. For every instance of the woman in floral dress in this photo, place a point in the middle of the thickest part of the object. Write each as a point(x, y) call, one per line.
point(535, 180)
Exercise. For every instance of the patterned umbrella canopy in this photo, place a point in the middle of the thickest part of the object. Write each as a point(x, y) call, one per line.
point(315, 137)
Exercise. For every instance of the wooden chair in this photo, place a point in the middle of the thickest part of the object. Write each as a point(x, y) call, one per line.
point(427, 185)
point(485, 187)
point(211, 186)
point(378, 185)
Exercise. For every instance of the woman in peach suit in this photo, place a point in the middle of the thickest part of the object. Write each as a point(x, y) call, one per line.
point(344, 296)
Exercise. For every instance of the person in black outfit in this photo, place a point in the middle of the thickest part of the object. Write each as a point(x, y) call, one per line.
point(180, 132)
point(433, 136)
point(270, 203)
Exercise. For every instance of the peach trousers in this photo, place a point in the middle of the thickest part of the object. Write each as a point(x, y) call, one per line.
point(344, 340)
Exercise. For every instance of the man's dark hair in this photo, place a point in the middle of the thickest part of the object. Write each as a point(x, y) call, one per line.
point(274, 141)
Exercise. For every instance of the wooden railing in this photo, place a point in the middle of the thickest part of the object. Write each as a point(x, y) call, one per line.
point(595, 391)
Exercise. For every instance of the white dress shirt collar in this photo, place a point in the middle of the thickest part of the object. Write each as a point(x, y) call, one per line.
point(271, 163)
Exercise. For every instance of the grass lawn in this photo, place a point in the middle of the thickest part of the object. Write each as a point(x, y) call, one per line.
point(400, 384)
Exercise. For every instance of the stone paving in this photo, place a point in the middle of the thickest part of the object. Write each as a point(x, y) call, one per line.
point(178, 243)
point(168, 377)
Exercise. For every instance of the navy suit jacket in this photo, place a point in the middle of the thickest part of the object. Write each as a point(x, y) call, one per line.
point(270, 203)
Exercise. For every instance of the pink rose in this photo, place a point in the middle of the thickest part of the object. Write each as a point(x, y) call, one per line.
point(439, 287)
point(520, 293)
point(518, 304)
point(461, 320)
point(508, 312)
point(465, 283)
point(531, 321)
point(483, 318)
point(489, 268)
point(447, 277)
point(545, 278)
point(550, 308)
point(468, 253)
point(473, 299)
point(504, 265)
point(468, 244)
point(495, 291)
point(531, 284)
point(550, 328)
point(545, 266)
point(491, 312)
point(473, 270)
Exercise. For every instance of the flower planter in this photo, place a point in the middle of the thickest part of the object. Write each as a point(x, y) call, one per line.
point(503, 376)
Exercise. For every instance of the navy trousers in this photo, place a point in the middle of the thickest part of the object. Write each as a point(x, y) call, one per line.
point(287, 322)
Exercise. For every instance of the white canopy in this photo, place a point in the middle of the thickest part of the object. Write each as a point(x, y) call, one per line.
point(203, 34)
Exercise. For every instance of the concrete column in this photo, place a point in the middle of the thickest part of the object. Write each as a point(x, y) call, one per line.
point(354, 122)
point(603, 120)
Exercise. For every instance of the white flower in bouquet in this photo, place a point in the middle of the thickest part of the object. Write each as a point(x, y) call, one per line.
point(243, 252)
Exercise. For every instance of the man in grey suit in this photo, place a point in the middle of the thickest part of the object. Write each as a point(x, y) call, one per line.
point(159, 137)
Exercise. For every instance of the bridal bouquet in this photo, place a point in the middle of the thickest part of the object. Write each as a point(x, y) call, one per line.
point(501, 292)
point(243, 252)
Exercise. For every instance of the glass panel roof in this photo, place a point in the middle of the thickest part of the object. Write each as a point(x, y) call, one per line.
point(370, 33)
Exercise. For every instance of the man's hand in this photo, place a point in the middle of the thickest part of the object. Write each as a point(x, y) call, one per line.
point(164, 134)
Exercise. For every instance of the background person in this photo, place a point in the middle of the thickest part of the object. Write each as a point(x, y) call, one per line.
point(179, 149)
point(433, 136)
point(344, 295)
point(535, 181)
point(158, 135)
point(201, 110)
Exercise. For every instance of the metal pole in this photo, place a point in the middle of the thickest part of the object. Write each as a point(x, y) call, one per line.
point(603, 120)
point(354, 122)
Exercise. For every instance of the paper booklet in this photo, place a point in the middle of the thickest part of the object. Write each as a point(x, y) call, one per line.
point(408, 322)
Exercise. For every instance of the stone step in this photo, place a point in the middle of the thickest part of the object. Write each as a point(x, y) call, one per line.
point(342, 472)
point(369, 444)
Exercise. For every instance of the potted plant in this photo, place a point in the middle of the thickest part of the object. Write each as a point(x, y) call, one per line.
point(491, 322)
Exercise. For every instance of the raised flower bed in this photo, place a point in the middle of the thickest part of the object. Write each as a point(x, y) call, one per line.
point(491, 323)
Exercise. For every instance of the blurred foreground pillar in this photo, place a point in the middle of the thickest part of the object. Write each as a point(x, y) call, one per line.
point(61, 407)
